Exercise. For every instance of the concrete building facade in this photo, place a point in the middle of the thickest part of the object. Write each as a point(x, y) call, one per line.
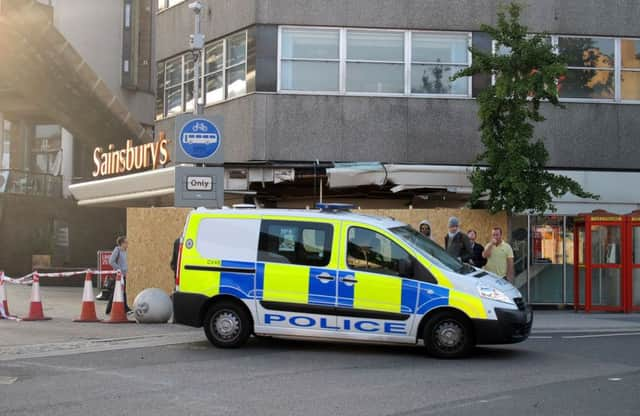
point(316, 86)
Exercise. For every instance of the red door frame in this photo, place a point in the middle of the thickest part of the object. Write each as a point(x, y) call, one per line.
point(579, 223)
point(601, 218)
point(633, 221)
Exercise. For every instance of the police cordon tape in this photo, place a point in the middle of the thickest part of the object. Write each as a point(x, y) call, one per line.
point(28, 278)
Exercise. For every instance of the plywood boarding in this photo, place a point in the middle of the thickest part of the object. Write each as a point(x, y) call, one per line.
point(151, 232)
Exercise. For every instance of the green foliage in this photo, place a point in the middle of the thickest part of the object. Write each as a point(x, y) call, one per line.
point(511, 169)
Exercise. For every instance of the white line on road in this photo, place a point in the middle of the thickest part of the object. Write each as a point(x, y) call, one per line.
point(540, 337)
point(617, 334)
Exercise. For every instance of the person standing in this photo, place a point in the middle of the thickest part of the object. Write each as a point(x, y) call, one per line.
point(499, 255)
point(456, 243)
point(425, 228)
point(477, 249)
point(118, 261)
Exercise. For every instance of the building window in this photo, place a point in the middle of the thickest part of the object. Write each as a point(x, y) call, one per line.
point(224, 70)
point(310, 59)
point(359, 61)
point(375, 62)
point(630, 76)
point(591, 68)
point(434, 59)
point(236, 65)
point(214, 72)
point(165, 4)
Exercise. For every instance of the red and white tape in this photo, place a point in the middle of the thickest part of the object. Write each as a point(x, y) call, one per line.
point(28, 279)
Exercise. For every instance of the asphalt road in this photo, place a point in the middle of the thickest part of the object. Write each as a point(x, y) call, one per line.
point(555, 374)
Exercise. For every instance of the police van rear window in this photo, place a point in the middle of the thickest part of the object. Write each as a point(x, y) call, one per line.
point(295, 242)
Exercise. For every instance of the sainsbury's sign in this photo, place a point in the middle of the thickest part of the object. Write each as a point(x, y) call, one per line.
point(131, 158)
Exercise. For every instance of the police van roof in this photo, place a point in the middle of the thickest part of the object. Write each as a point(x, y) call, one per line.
point(383, 222)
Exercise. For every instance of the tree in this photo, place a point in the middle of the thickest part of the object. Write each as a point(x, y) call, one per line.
point(511, 171)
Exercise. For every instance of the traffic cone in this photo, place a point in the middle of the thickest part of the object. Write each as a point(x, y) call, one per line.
point(35, 309)
point(118, 314)
point(88, 313)
point(3, 295)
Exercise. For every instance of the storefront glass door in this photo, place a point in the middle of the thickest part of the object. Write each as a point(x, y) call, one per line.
point(548, 258)
point(606, 261)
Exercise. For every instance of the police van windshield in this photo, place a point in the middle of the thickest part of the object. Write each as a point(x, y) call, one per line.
point(431, 250)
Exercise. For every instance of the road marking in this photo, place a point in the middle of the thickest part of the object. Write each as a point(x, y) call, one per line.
point(540, 337)
point(615, 379)
point(8, 380)
point(616, 334)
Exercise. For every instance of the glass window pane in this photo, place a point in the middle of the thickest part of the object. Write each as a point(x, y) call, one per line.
point(434, 79)
point(310, 44)
point(161, 4)
point(236, 82)
point(174, 101)
point(309, 76)
point(588, 52)
point(294, 242)
point(605, 287)
point(588, 83)
point(630, 53)
point(375, 253)
point(630, 85)
point(605, 244)
point(174, 2)
point(439, 48)
point(215, 88)
point(159, 104)
point(188, 67)
point(377, 78)
point(214, 60)
point(236, 49)
point(188, 97)
point(173, 71)
point(375, 46)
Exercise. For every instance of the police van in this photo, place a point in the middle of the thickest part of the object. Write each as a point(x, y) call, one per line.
point(334, 274)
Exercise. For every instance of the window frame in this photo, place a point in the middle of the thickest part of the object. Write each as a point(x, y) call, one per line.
point(617, 69)
point(302, 225)
point(342, 69)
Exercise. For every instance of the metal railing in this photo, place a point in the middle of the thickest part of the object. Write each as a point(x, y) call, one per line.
point(13, 181)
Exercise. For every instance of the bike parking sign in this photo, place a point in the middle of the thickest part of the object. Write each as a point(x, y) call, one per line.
point(199, 140)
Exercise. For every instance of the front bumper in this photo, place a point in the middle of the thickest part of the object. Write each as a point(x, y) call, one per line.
point(512, 326)
point(187, 308)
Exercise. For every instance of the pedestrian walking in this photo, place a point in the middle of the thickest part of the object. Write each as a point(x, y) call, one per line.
point(499, 255)
point(477, 249)
point(425, 228)
point(457, 243)
point(118, 261)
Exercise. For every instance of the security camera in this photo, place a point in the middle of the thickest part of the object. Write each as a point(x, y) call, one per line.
point(196, 6)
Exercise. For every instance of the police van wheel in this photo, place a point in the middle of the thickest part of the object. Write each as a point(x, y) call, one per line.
point(227, 325)
point(448, 335)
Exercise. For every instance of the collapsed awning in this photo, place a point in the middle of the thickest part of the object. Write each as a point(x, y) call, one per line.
point(622, 198)
point(403, 176)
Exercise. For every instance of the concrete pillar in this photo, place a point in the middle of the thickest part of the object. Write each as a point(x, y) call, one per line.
point(67, 161)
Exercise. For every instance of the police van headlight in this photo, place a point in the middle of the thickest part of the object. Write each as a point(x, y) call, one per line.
point(494, 294)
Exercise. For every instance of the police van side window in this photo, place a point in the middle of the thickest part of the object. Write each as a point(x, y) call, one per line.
point(295, 242)
point(372, 252)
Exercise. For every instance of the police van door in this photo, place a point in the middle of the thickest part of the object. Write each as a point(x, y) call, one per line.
point(298, 263)
point(376, 296)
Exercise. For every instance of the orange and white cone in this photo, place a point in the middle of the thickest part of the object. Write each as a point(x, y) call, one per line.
point(35, 309)
point(118, 314)
point(3, 297)
point(88, 313)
